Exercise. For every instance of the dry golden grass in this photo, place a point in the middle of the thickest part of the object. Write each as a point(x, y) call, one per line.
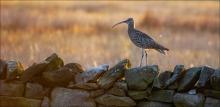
point(81, 32)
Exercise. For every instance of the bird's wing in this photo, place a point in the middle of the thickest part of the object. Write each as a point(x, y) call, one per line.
point(143, 35)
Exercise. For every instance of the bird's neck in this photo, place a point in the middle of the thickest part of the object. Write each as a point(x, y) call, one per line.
point(130, 25)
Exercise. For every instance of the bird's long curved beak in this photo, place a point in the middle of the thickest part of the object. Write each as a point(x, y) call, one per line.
point(118, 24)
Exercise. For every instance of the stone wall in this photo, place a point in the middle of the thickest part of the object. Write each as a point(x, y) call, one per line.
point(50, 83)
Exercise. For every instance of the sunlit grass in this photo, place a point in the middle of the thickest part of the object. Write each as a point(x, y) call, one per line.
point(81, 32)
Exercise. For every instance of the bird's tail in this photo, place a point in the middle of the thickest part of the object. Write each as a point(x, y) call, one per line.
point(162, 50)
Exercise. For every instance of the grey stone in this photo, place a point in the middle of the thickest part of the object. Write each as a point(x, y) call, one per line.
point(141, 78)
point(178, 72)
point(215, 80)
point(187, 100)
point(204, 77)
point(35, 91)
point(63, 97)
point(162, 96)
point(14, 88)
point(153, 104)
point(45, 102)
point(161, 79)
point(92, 74)
point(189, 79)
point(212, 102)
point(137, 95)
point(6, 101)
point(115, 73)
point(111, 100)
point(14, 70)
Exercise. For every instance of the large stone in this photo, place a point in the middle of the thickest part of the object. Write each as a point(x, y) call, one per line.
point(115, 73)
point(60, 77)
point(97, 93)
point(55, 62)
point(45, 102)
point(215, 80)
point(162, 96)
point(153, 104)
point(35, 91)
point(212, 93)
point(141, 78)
point(178, 72)
point(6, 101)
point(14, 70)
point(189, 79)
point(75, 67)
point(14, 88)
point(212, 102)
point(122, 85)
point(3, 69)
point(116, 91)
point(92, 74)
point(160, 80)
point(33, 71)
point(111, 100)
point(187, 100)
point(205, 75)
point(63, 97)
point(137, 95)
point(85, 86)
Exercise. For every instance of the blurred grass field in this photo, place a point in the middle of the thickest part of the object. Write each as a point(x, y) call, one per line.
point(81, 31)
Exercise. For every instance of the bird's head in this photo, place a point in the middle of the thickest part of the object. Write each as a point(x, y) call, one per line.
point(128, 21)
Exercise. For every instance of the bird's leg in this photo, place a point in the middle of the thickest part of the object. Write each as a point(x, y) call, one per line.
point(146, 55)
point(142, 56)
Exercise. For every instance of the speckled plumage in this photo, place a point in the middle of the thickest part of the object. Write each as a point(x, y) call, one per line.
point(141, 39)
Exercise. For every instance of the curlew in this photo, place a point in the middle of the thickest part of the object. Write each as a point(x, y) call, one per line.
point(141, 39)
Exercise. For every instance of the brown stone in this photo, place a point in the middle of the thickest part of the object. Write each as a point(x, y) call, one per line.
point(63, 97)
point(97, 93)
point(116, 91)
point(212, 102)
point(75, 67)
point(14, 88)
point(6, 101)
point(137, 95)
point(212, 93)
point(3, 69)
point(60, 77)
point(111, 100)
point(85, 86)
point(153, 104)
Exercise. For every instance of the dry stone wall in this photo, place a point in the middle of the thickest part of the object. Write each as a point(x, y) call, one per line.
point(50, 83)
